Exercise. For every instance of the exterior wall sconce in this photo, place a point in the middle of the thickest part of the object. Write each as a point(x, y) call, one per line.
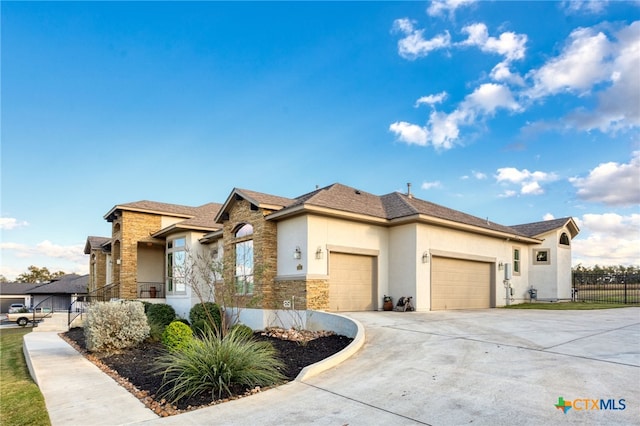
point(319, 253)
point(297, 254)
point(500, 266)
point(425, 257)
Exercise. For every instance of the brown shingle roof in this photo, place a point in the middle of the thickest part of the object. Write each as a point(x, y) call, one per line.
point(204, 216)
point(147, 206)
point(262, 199)
point(538, 228)
point(343, 198)
point(386, 207)
point(94, 243)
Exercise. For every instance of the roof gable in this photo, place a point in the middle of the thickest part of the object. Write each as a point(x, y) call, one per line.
point(153, 207)
point(95, 243)
point(538, 228)
point(258, 199)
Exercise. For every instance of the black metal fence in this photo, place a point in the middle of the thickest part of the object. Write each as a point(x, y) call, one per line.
point(606, 287)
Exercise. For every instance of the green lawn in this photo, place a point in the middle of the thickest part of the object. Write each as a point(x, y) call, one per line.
point(567, 306)
point(21, 402)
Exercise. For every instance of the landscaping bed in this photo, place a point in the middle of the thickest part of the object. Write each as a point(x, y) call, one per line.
point(133, 367)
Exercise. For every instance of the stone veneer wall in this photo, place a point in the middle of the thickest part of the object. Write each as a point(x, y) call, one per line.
point(134, 226)
point(307, 294)
point(264, 250)
point(97, 269)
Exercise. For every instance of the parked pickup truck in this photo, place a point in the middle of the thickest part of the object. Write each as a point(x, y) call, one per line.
point(23, 318)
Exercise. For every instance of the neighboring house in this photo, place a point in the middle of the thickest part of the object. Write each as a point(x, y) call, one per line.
point(341, 249)
point(15, 293)
point(59, 294)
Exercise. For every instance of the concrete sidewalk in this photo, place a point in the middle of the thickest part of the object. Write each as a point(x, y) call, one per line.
point(493, 367)
point(77, 392)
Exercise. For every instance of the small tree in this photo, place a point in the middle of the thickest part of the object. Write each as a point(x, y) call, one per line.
point(204, 274)
point(38, 275)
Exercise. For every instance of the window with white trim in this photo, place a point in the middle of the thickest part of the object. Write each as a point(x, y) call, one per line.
point(176, 257)
point(516, 260)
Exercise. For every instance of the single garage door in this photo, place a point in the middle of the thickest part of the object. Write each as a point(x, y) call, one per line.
point(351, 282)
point(6, 303)
point(460, 284)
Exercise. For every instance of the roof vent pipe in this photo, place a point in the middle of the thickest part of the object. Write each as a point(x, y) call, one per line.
point(409, 194)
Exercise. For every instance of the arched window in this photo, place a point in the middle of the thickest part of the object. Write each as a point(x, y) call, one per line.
point(244, 230)
point(244, 260)
point(564, 239)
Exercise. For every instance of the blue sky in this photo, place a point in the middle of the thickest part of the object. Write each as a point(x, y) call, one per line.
point(515, 111)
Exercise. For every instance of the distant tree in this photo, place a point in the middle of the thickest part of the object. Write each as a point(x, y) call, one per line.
point(38, 275)
point(3, 279)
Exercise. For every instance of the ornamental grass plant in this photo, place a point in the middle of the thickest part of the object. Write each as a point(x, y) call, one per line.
point(211, 364)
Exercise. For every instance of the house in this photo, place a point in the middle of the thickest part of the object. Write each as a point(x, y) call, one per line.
point(15, 293)
point(59, 294)
point(56, 295)
point(336, 248)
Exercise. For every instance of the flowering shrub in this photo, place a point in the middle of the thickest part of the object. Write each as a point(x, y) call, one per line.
point(115, 325)
point(176, 336)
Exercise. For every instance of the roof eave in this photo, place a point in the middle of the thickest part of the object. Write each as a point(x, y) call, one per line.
point(177, 227)
point(422, 218)
point(325, 211)
point(108, 217)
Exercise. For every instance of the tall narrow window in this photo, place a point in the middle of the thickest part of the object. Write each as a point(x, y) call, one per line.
point(244, 260)
point(516, 261)
point(564, 239)
point(176, 257)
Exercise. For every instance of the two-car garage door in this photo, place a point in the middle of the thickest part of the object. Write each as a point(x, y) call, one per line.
point(460, 284)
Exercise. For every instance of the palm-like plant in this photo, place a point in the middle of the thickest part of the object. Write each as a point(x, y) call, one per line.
point(213, 364)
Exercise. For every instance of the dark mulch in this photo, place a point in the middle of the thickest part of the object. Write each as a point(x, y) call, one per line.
point(132, 367)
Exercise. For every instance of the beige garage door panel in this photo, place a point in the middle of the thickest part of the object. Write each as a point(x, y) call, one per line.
point(351, 282)
point(460, 284)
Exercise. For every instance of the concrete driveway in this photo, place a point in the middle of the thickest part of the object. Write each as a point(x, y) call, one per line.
point(487, 367)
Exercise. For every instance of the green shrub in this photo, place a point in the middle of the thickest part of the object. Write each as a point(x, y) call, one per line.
point(176, 336)
point(117, 325)
point(201, 327)
point(146, 305)
point(245, 330)
point(213, 365)
point(199, 313)
point(155, 331)
point(184, 321)
point(161, 313)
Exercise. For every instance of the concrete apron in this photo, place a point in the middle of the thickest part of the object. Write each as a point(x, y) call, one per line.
point(487, 367)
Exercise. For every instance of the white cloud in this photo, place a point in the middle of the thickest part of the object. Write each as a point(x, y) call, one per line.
point(443, 130)
point(440, 7)
point(429, 185)
point(410, 133)
point(502, 73)
point(508, 44)
point(431, 99)
point(573, 7)
point(414, 45)
point(9, 223)
point(548, 216)
point(609, 239)
point(508, 194)
point(529, 181)
point(489, 97)
point(611, 183)
point(479, 175)
point(45, 248)
point(582, 64)
point(17, 257)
